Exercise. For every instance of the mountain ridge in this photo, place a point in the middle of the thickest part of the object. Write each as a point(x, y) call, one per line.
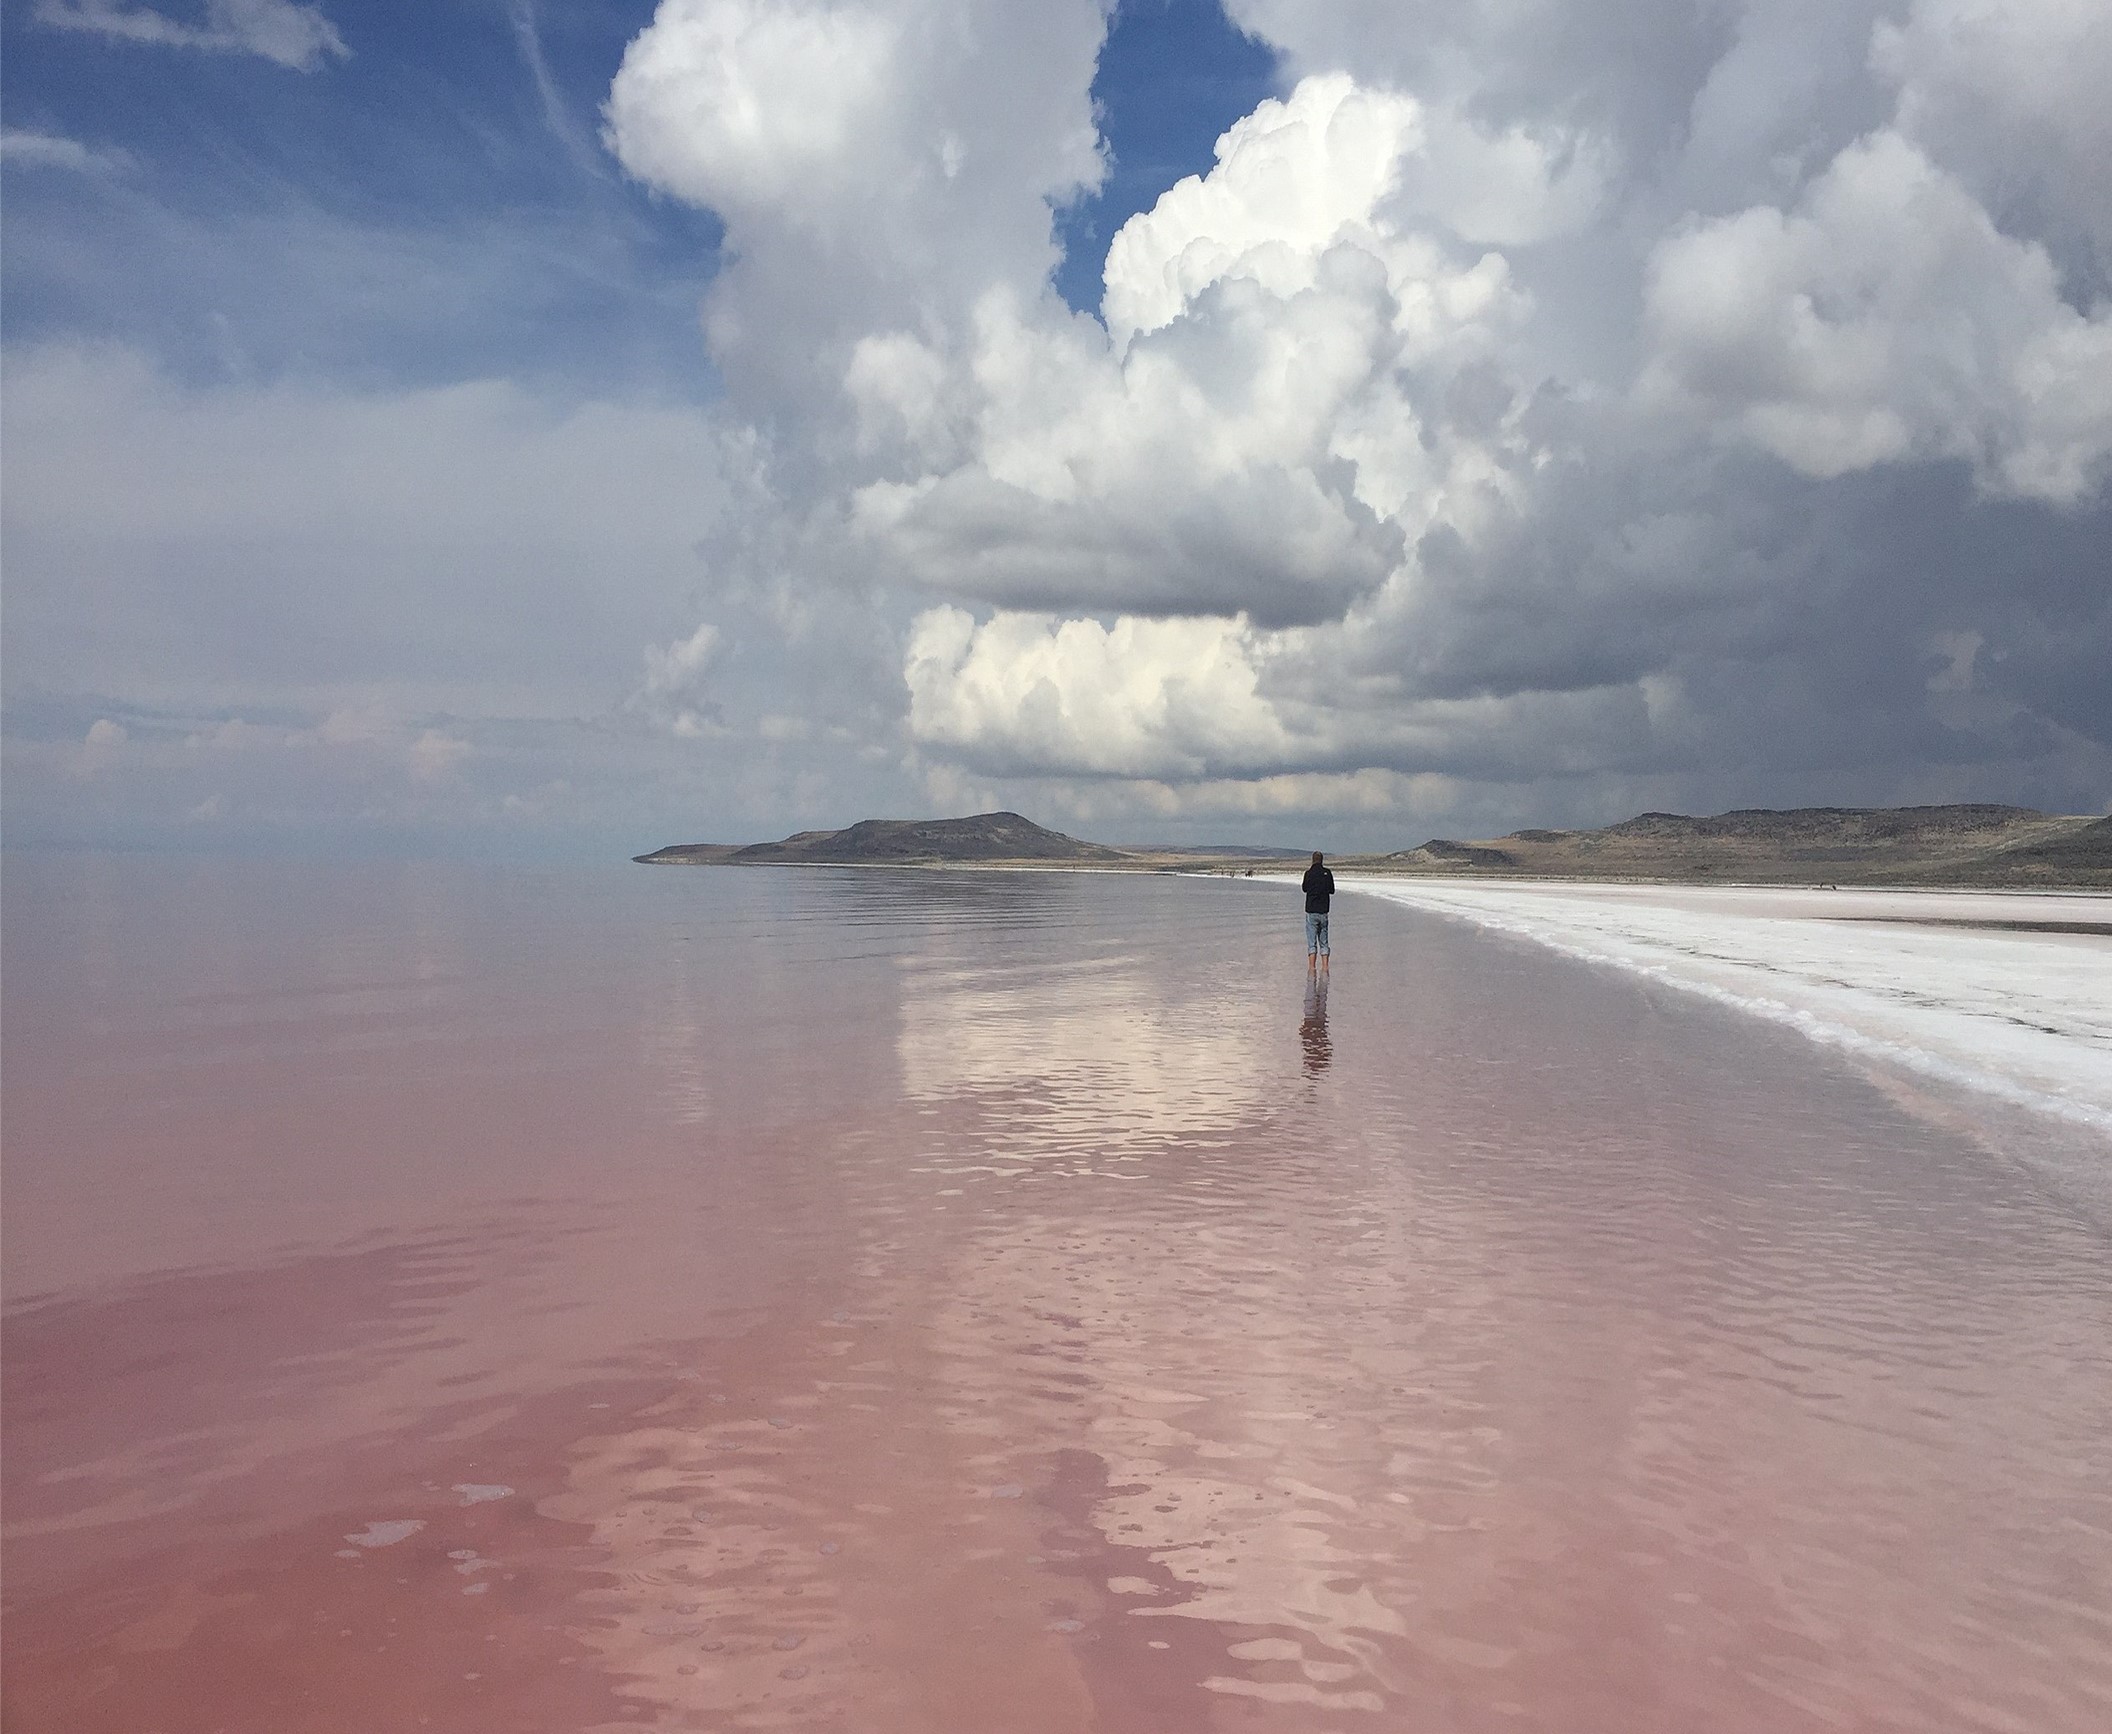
point(1966, 843)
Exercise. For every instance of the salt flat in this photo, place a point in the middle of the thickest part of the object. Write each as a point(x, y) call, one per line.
point(2022, 1015)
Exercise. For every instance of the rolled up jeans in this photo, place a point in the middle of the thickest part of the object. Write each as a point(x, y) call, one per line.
point(1316, 933)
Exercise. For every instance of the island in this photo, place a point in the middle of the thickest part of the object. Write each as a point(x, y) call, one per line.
point(987, 839)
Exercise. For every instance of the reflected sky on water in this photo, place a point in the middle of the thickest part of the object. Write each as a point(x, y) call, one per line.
point(918, 1301)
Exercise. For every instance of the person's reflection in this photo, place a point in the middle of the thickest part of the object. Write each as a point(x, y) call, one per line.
point(1312, 1031)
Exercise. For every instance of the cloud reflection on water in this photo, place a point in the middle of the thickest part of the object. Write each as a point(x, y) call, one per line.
point(934, 1302)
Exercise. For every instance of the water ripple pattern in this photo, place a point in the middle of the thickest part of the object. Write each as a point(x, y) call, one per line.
point(933, 1303)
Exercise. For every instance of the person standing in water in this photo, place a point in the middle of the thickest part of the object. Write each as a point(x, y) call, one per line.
point(1318, 885)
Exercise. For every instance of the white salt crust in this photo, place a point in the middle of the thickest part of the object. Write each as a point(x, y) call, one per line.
point(2022, 1016)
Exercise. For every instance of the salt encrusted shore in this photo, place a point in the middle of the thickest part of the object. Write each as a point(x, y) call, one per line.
point(2007, 994)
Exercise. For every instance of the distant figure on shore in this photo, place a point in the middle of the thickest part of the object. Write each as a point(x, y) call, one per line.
point(1318, 885)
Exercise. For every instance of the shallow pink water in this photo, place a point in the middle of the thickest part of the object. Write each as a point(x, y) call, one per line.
point(998, 1302)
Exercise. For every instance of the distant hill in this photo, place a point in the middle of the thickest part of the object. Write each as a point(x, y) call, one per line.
point(1832, 827)
point(1956, 845)
point(2087, 849)
point(987, 837)
point(1443, 852)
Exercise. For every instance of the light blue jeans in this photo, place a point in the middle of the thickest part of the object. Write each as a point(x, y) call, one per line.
point(1316, 934)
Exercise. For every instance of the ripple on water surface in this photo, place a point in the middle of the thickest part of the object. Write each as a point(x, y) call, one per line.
point(897, 1301)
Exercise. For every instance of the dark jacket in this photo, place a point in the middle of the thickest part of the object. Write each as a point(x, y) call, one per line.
point(1319, 886)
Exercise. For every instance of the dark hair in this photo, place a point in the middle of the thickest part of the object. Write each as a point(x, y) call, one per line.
point(1316, 857)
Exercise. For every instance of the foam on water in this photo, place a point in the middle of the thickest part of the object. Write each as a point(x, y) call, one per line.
point(386, 1532)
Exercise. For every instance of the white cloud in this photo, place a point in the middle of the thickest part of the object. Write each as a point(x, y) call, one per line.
point(673, 670)
point(2011, 96)
point(1291, 180)
point(1537, 408)
point(1142, 698)
point(1188, 478)
point(1339, 164)
point(744, 104)
point(38, 150)
point(370, 733)
point(904, 398)
point(879, 165)
point(1885, 319)
point(1366, 794)
point(1262, 429)
point(475, 547)
point(294, 36)
point(435, 756)
point(1331, 166)
point(557, 112)
point(674, 688)
point(1508, 187)
point(100, 748)
point(1399, 453)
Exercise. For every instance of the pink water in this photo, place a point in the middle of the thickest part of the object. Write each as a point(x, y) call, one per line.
point(911, 1303)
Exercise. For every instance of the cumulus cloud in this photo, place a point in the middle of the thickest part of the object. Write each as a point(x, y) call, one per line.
point(1261, 427)
point(1507, 401)
point(1142, 698)
point(1616, 76)
point(1335, 164)
point(1885, 318)
point(2011, 96)
point(674, 681)
point(743, 104)
point(1536, 410)
point(297, 37)
point(878, 164)
point(1291, 179)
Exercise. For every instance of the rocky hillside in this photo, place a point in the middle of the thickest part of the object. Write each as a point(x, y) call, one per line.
point(987, 837)
point(1961, 845)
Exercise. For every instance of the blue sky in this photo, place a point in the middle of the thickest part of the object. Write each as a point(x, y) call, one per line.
point(436, 204)
point(409, 213)
point(513, 427)
point(1173, 75)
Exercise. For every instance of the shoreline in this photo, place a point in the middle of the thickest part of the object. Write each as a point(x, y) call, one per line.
point(2011, 1013)
point(1221, 867)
